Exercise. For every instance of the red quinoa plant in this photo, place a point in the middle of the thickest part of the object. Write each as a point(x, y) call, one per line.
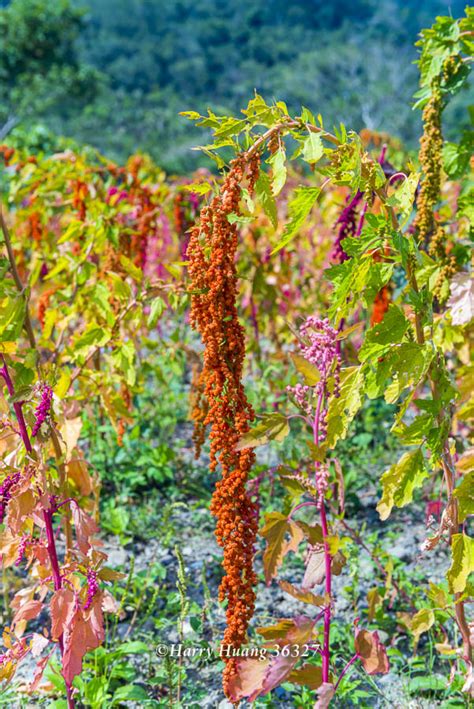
point(404, 240)
point(82, 280)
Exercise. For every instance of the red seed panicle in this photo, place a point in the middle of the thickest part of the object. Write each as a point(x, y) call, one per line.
point(211, 254)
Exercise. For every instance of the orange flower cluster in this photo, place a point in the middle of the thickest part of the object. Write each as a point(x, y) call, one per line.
point(381, 303)
point(35, 226)
point(178, 214)
point(126, 395)
point(79, 193)
point(146, 223)
point(211, 253)
point(199, 409)
point(43, 305)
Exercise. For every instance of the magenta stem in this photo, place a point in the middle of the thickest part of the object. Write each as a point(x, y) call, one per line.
point(298, 507)
point(325, 653)
point(346, 668)
point(17, 407)
point(47, 514)
point(361, 219)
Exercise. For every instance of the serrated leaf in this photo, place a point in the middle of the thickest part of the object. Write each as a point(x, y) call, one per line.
point(313, 148)
point(278, 163)
point(404, 196)
point(313, 533)
point(273, 427)
point(422, 622)
point(462, 564)
point(275, 530)
point(309, 371)
point(301, 594)
point(341, 411)
point(380, 337)
point(200, 188)
point(464, 493)
point(131, 269)
point(371, 652)
point(400, 481)
point(157, 308)
point(264, 195)
point(298, 209)
point(307, 676)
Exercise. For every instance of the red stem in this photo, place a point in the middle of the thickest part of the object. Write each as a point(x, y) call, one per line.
point(47, 514)
point(17, 406)
point(298, 507)
point(327, 555)
point(346, 668)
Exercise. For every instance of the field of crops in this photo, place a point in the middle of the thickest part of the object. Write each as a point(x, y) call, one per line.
point(235, 414)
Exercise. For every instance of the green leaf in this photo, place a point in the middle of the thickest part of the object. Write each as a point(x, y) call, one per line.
point(456, 157)
point(404, 196)
point(400, 481)
point(128, 693)
point(272, 427)
point(278, 163)
point(313, 148)
point(238, 219)
point(298, 209)
point(74, 229)
point(422, 622)
point(94, 336)
point(199, 187)
point(132, 647)
point(131, 269)
point(12, 316)
point(121, 289)
point(341, 411)
point(416, 432)
point(265, 197)
point(407, 364)
point(380, 337)
point(123, 358)
point(309, 371)
point(462, 554)
point(157, 307)
point(356, 280)
point(465, 496)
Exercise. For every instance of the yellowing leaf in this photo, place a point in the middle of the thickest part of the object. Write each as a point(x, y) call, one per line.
point(465, 496)
point(274, 531)
point(247, 681)
point(309, 371)
point(264, 195)
point(271, 427)
point(374, 599)
point(310, 676)
point(371, 652)
point(313, 148)
point(299, 208)
point(131, 269)
point(342, 410)
point(277, 161)
point(78, 473)
point(63, 384)
point(422, 621)
point(400, 481)
point(302, 595)
point(462, 564)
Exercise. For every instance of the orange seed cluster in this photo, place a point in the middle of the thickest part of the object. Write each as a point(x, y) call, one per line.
point(211, 253)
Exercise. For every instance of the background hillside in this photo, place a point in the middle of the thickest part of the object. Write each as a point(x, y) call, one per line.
point(116, 73)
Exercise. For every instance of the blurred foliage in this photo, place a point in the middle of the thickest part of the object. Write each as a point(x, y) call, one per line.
point(116, 74)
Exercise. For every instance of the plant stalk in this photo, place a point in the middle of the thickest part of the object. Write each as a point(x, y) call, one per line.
point(327, 556)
